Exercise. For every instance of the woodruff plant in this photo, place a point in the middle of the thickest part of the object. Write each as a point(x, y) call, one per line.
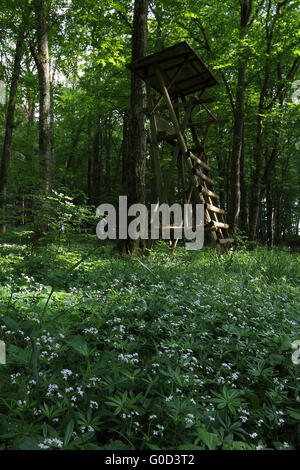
point(60, 216)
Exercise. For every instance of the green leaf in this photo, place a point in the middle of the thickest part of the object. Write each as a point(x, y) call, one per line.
point(209, 439)
point(285, 343)
point(254, 399)
point(237, 445)
point(276, 359)
point(116, 445)
point(83, 438)
point(153, 446)
point(30, 443)
point(190, 447)
point(294, 414)
point(68, 432)
point(16, 355)
point(78, 343)
point(35, 360)
point(11, 323)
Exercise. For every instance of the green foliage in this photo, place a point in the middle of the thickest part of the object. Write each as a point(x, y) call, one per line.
point(177, 352)
point(61, 217)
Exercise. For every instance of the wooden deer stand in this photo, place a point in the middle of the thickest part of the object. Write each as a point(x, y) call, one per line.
point(175, 73)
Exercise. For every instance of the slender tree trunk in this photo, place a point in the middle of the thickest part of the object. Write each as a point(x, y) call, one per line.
point(238, 121)
point(153, 185)
point(244, 205)
point(108, 156)
point(125, 149)
point(43, 66)
point(5, 158)
point(136, 163)
point(96, 164)
point(270, 216)
point(258, 150)
point(238, 118)
point(73, 145)
point(52, 139)
point(89, 169)
point(257, 176)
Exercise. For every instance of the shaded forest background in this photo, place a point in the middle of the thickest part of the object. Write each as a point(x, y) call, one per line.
point(66, 127)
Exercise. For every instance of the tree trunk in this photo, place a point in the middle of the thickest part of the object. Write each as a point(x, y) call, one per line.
point(9, 130)
point(52, 139)
point(43, 66)
point(238, 121)
point(258, 150)
point(244, 205)
point(257, 176)
point(73, 146)
point(96, 164)
point(270, 216)
point(125, 149)
point(89, 169)
point(238, 118)
point(108, 156)
point(136, 163)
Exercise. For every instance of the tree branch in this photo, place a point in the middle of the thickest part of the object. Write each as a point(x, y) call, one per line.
point(256, 12)
point(209, 49)
point(291, 72)
point(125, 19)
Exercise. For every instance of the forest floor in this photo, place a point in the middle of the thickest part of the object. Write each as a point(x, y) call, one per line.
point(169, 352)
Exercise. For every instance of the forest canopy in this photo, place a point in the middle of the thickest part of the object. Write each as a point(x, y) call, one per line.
point(66, 122)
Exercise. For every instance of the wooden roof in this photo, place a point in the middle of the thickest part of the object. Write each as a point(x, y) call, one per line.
point(179, 61)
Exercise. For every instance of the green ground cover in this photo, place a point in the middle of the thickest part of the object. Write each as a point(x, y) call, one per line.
point(182, 352)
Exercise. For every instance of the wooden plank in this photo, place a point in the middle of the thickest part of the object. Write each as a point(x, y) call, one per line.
point(203, 100)
point(164, 128)
point(177, 149)
point(203, 176)
point(174, 119)
point(221, 225)
point(185, 61)
point(225, 241)
point(199, 161)
point(180, 105)
point(195, 150)
point(154, 146)
point(212, 208)
point(209, 111)
point(208, 192)
point(207, 123)
point(170, 59)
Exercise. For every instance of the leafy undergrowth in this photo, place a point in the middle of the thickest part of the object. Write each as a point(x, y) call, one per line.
point(183, 352)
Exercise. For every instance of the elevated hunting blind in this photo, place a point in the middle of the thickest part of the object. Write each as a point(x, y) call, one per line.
point(180, 77)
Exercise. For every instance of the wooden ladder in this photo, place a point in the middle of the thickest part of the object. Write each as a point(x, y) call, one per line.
point(198, 169)
point(214, 215)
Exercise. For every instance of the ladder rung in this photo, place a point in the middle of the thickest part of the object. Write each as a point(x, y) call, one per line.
point(221, 225)
point(207, 123)
point(197, 160)
point(208, 192)
point(203, 176)
point(225, 241)
point(214, 209)
point(197, 149)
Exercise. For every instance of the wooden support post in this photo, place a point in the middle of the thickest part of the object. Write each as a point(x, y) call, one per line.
point(177, 150)
point(154, 146)
point(181, 139)
point(171, 83)
point(207, 123)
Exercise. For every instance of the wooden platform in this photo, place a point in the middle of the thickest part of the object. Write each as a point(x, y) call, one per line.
point(191, 74)
point(174, 73)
